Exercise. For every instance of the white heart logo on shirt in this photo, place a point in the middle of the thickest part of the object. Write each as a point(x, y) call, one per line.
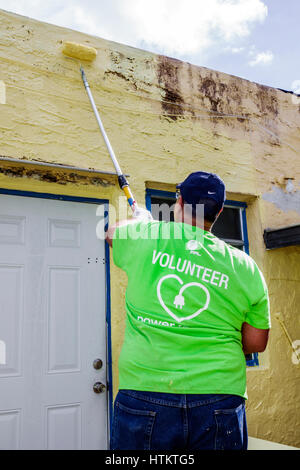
point(179, 297)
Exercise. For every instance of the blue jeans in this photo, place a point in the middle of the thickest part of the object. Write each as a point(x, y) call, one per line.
point(167, 421)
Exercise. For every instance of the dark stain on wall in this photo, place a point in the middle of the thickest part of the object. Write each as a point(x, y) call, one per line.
point(125, 68)
point(219, 97)
point(117, 57)
point(115, 73)
point(53, 176)
point(212, 93)
point(167, 74)
point(266, 100)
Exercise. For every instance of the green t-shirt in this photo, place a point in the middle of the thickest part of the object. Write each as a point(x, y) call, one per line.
point(187, 297)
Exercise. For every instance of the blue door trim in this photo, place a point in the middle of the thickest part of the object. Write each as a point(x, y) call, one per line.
point(13, 192)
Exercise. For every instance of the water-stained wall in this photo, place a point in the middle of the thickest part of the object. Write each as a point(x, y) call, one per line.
point(165, 118)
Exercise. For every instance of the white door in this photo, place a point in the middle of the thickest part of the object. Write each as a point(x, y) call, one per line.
point(52, 325)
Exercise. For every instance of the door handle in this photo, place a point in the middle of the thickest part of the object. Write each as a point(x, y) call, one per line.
point(99, 387)
point(97, 364)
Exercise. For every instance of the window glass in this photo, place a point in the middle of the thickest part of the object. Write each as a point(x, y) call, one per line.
point(228, 224)
point(162, 209)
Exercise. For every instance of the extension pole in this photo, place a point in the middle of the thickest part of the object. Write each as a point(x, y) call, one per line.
point(123, 183)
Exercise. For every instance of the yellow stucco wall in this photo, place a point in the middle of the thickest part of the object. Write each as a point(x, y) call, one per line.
point(165, 118)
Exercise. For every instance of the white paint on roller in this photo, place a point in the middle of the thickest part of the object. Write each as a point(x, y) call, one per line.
point(2, 92)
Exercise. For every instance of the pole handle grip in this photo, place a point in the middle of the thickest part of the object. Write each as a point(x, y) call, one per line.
point(124, 185)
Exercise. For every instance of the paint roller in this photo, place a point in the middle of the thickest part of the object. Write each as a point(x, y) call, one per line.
point(88, 54)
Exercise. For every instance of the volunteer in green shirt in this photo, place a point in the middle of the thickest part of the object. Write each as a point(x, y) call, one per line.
point(194, 307)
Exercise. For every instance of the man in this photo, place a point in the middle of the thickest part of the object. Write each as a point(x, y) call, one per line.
point(194, 307)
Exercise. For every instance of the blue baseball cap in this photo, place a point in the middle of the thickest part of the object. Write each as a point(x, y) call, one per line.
point(201, 185)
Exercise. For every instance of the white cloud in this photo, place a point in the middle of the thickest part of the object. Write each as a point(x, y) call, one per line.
point(237, 50)
point(173, 27)
point(234, 50)
point(296, 86)
point(191, 27)
point(296, 90)
point(262, 58)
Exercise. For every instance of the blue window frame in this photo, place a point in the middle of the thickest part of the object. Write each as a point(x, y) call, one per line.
point(230, 227)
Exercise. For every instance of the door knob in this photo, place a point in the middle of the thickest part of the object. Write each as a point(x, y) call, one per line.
point(97, 364)
point(99, 387)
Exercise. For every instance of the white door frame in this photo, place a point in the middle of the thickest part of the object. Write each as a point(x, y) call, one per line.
point(105, 202)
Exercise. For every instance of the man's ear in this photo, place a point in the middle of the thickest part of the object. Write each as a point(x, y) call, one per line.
point(217, 216)
point(181, 201)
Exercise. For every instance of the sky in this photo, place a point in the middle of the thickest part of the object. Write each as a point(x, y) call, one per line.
point(254, 39)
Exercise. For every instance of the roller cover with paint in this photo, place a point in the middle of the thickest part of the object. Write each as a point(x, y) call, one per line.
point(79, 51)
